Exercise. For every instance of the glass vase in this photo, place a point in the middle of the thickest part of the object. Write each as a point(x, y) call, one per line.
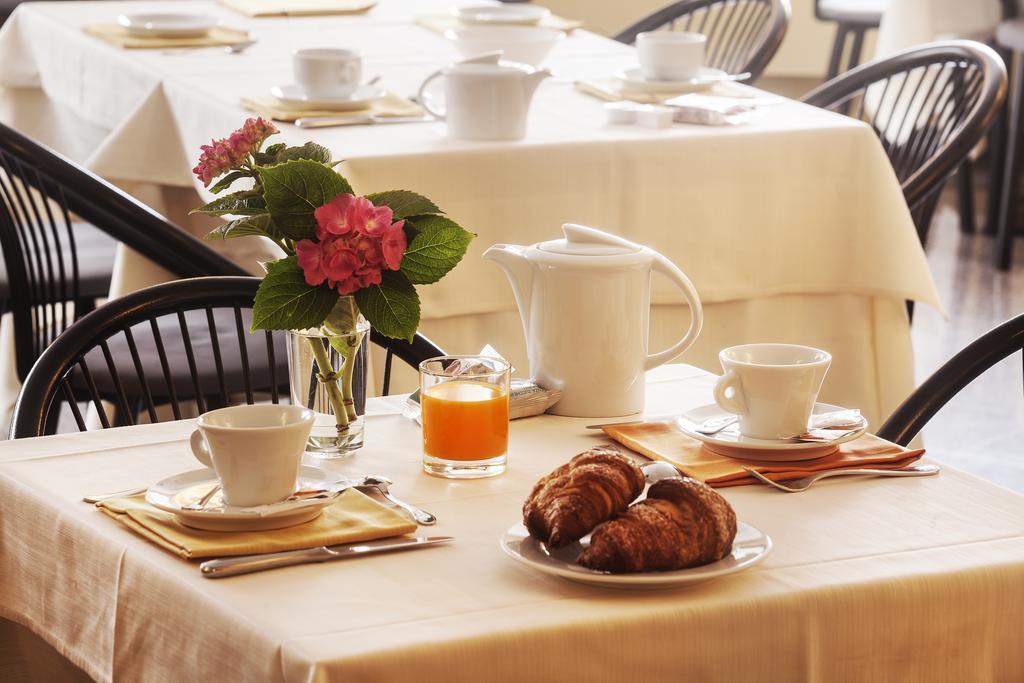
point(327, 373)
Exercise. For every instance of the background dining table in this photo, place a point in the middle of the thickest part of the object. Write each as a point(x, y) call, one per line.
point(869, 579)
point(792, 227)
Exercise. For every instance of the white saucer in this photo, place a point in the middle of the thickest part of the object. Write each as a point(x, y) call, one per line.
point(730, 443)
point(632, 80)
point(292, 96)
point(175, 493)
point(167, 24)
point(519, 15)
point(750, 547)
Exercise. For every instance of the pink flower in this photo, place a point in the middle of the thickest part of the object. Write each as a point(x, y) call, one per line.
point(340, 262)
point(393, 244)
point(333, 217)
point(220, 156)
point(309, 256)
point(367, 218)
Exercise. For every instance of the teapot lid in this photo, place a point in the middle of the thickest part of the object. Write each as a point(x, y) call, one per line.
point(583, 241)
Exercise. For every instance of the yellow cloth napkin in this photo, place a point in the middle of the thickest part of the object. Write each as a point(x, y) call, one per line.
point(439, 23)
point(664, 441)
point(282, 8)
point(352, 517)
point(119, 37)
point(388, 105)
point(610, 90)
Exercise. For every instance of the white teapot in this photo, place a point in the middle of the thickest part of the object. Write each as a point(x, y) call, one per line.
point(585, 304)
point(485, 98)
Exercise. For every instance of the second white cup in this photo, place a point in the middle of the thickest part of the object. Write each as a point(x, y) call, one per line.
point(327, 72)
point(255, 450)
point(670, 55)
point(771, 387)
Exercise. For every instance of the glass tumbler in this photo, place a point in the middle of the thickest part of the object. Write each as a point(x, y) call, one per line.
point(464, 401)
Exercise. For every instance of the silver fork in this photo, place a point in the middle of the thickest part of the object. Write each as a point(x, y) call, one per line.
point(804, 483)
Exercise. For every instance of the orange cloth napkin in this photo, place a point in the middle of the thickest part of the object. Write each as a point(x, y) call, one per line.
point(664, 441)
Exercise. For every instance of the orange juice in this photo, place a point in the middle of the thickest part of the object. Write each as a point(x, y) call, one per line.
point(465, 420)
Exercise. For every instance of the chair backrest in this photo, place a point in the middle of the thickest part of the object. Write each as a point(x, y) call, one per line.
point(946, 382)
point(742, 35)
point(40, 191)
point(131, 353)
point(929, 105)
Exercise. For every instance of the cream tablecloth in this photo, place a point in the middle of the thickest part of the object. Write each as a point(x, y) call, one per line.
point(869, 580)
point(792, 228)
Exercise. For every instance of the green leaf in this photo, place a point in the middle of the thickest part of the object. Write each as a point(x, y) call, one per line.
point(244, 203)
point(437, 248)
point(293, 190)
point(270, 154)
point(392, 307)
point(285, 302)
point(260, 225)
point(404, 203)
point(310, 150)
point(225, 182)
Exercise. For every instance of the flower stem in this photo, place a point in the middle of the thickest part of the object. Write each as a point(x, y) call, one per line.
point(329, 379)
point(348, 370)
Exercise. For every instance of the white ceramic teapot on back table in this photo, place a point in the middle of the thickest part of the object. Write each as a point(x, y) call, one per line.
point(585, 304)
point(485, 98)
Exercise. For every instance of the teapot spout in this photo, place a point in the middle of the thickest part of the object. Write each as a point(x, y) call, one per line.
point(530, 83)
point(512, 259)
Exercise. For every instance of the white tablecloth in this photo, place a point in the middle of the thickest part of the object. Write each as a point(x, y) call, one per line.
point(869, 580)
point(792, 228)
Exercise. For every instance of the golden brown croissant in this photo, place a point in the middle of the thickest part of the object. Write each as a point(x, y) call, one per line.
point(682, 523)
point(590, 489)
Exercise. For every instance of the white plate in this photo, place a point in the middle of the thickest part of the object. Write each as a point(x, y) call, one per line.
point(167, 25)
point(750, 547)
point(633, 81)
point(175, 493)
point(523, 15)
point(292, 96)
point(729, 442)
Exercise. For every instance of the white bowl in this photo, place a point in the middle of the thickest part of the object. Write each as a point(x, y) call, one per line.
point(523, 15)
point(526, 44)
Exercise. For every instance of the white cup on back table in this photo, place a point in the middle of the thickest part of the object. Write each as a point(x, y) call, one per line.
point(327, 72)
point(255, 450)
point(771, 387)
point(670, 55)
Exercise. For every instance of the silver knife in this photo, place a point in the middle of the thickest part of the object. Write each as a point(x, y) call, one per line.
point(646, 420)
point(245, 564)
point(364, 120)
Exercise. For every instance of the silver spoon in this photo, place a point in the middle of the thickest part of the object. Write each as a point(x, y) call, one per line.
point(239, 48)
point(658, 470)
point(381, 483)
point(803, 483)
point(97, 497)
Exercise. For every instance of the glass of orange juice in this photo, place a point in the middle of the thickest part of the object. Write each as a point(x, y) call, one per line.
point(464, 401)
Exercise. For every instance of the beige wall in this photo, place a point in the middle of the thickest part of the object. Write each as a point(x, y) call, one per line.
point(804, 52)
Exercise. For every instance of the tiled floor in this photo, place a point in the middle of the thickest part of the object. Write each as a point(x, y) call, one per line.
point(982, 429)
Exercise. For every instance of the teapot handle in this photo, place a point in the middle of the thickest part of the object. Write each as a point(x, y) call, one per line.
point(672, 272)
point(424, 98)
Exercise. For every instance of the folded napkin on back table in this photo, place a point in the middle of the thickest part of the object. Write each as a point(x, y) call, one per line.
point(388, 105)
point(119, 37)
point(439, 23)
point(664, 441)
point(611, 90)
point(352, 517)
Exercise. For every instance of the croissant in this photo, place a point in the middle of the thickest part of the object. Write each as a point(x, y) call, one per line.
point(590, 489)
point(682, 523)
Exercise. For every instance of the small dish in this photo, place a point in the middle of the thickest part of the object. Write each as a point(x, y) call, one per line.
point(166, 25)
point(293, 97)
point(730, 443)
point(632, 80)
point(518, 15)
point(750, 547)
point(176, 494)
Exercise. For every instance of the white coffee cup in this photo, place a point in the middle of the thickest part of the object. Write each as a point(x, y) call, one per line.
point(772, 387)
point(670, 55)
point(327, 72)
point(254, 449)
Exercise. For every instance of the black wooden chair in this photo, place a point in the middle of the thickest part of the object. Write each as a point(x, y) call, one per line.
point(743, 35)
point(174, 339)
point(853, 19)
point(929, 105)
point(974, 360)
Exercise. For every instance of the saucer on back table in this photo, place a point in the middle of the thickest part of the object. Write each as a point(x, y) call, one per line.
point(166, 25)
point(730, 443)
point(293, 97)
point(632, 81)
